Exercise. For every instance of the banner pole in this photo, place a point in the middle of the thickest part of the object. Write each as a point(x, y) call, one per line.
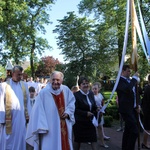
point(134, 60)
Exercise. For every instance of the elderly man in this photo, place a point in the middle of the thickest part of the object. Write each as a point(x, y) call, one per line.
point(52, 116)
point(14, 110)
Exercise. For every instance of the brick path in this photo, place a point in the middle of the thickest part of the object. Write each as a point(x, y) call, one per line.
point(115, 140)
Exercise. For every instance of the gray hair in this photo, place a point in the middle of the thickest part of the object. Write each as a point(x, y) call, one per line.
point(17, 68)
point(57, 72)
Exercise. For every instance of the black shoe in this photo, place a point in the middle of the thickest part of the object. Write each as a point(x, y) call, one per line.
point(144, 146)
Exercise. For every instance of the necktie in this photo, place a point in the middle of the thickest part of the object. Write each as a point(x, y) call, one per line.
point(33, 101)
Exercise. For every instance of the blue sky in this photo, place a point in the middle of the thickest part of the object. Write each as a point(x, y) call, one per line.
point(59, 10)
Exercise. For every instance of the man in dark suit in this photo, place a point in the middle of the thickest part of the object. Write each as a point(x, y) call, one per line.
point(127, 107)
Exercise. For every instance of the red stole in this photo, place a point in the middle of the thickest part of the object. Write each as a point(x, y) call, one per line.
point(60, 103)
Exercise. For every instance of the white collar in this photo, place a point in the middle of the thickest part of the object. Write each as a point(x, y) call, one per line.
point(55, 92)
point(32, 99)
point(84, 93)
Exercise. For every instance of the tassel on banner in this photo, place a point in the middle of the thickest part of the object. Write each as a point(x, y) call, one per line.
point(138, 30)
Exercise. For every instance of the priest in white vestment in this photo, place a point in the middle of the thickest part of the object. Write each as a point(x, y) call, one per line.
point(30, 82)
point(14, 104)
point(52, 117)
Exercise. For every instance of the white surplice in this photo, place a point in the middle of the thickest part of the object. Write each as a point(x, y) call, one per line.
point(15, 140)
point(30, 83)
point(45, 119)
point(38, 87)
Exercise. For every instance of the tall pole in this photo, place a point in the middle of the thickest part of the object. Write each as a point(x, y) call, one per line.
point(134, 38)
point(134, 61)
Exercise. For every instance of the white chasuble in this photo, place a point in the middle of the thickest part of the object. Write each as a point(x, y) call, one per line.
point(45, 119)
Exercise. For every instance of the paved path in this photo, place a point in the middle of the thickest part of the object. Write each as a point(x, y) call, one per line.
point(115, 141)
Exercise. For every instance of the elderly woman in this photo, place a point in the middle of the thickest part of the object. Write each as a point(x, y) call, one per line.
point(85, 109)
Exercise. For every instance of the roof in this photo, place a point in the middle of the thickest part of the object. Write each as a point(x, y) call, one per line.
point(9, 65)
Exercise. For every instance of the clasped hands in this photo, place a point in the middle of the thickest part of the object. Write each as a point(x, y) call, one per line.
point(64, 116)
point(89, 114)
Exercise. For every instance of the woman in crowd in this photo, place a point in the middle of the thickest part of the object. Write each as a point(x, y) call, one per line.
point(85, 109)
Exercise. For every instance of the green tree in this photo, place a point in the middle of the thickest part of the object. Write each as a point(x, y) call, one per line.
point(37, 18)
point(110, 16)
point(86, 45)
point(20, 23)
point(12, 12)
point(2, 72)
point(76, 42)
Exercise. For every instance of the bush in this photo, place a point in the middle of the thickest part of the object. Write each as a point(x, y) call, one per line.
point(108, 120)
point(112, 108)
point(107, 95)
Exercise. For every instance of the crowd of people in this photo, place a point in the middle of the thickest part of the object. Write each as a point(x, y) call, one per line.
point(47, 115)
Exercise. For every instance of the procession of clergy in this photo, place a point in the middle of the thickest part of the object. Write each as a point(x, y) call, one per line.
point(48, 125)
point(41, 116)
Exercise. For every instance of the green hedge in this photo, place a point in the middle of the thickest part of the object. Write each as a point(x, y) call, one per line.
point(108, 120)
point(112, 108)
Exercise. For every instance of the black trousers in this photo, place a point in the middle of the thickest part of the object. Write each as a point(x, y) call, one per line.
point(130, 132)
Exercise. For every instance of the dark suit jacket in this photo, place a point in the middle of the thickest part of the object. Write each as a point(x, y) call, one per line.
point(82, 106)
point(146, 100)
point(126, 95)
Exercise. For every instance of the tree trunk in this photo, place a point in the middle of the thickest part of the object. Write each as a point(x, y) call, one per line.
point(32, 59)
